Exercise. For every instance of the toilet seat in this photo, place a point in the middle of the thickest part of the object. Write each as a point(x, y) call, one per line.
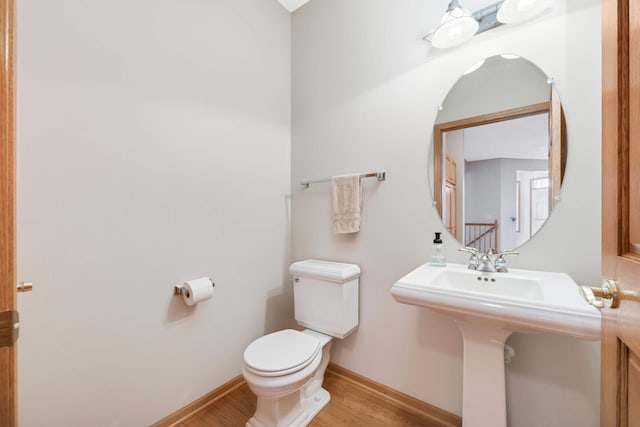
point(281, 353)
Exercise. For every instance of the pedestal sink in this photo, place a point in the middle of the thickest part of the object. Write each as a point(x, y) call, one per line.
point(488, 307)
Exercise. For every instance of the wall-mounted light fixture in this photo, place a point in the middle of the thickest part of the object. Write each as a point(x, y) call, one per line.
point(458, 25)
point(514, 11)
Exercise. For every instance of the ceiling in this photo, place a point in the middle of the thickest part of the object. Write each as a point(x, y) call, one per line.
point(522, 138)
point(292, 5)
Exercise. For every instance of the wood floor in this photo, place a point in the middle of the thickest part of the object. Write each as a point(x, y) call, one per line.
point(350, 406)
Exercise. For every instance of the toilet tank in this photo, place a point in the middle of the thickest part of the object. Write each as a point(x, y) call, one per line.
point(326, 296)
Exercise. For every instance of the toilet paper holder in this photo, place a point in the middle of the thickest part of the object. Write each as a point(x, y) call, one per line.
point(179, 290)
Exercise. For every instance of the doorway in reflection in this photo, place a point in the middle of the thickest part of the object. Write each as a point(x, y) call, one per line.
point(497, 182)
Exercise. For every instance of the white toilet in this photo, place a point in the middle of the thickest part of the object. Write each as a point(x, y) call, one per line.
point(285, 369)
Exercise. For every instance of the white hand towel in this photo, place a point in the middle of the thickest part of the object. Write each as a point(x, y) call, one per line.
point(347, 203)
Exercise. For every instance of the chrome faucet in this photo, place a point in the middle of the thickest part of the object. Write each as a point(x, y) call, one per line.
point(474, 260)
point(486, 264)
point(483, 262)
point(500, 263)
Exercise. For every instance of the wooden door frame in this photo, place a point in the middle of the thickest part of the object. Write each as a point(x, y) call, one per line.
point(615, 118)
point(8, 355)
point(484, 119)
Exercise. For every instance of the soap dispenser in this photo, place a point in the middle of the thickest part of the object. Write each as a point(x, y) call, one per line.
point(438, 256)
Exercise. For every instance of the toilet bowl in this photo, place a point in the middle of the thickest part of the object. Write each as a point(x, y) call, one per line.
point(289, 387)
point(285, 369)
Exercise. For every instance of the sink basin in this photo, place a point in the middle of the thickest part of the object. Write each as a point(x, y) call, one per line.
point(512, 286)
point(517, 301)
point(487, 308)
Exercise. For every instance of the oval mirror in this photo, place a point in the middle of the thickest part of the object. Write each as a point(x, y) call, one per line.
point(498, 154)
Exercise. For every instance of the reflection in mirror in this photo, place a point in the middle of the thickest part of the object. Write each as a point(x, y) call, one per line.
point(498, 154)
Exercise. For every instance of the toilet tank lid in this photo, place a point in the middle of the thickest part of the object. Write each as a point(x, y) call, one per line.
point(325, 270)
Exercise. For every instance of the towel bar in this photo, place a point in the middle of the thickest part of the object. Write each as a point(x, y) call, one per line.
point(380, 175)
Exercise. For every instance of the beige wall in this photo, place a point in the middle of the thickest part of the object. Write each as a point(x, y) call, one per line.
point(365, 96)
point(153, 147)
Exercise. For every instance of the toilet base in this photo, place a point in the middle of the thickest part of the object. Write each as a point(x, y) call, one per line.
point(315, 403)
point(310, 408)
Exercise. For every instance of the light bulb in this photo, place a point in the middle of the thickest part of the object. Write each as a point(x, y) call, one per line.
point(456, 27)
point(513, 11)
point(454, 32)
point(525, 5)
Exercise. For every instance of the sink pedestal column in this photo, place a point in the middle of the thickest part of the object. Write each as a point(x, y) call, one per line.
point(483, 387)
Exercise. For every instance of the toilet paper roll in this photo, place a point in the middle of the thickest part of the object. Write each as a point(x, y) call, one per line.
point(197, 290)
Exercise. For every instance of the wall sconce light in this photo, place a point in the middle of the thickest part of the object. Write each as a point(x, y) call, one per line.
point(514, 11)
point(458, 25)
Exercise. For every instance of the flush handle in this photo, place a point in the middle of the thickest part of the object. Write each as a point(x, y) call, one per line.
point(607, 296)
